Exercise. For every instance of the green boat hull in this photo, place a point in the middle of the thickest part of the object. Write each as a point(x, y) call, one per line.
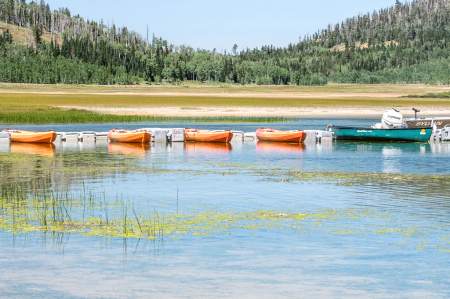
point(370, 134)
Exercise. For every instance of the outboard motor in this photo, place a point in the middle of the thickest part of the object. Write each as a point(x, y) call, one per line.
point(392, 119)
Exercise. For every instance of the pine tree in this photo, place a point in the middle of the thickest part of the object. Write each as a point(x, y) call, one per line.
point(37, 35)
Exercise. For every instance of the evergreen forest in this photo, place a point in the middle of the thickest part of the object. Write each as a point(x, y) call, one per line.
point(405, 43)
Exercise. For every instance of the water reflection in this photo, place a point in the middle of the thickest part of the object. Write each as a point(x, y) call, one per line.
point(405, 147)
point(5, 146)
point(390, 155)
point(326, 156)
point(279, 147)
point(439, 147)
point(134, 149)
point(41, 149)
point(76, 146)
point(207, 147)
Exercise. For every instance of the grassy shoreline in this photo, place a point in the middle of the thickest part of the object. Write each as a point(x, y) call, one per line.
point(123, 100)
point(193, 103)
point(23, 114)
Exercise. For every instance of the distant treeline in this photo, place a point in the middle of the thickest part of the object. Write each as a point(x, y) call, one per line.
point(406, 43)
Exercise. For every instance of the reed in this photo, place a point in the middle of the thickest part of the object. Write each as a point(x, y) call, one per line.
point(57, 212)
point(18, 114)
point(443, 95)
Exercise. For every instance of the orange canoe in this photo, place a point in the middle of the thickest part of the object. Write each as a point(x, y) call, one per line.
point(31, 137)
point(207, 136)
point(264, 134)
point(128, 136)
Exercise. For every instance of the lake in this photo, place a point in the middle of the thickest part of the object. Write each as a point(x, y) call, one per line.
point(247, 220)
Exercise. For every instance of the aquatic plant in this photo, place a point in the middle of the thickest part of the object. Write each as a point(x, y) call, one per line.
point(90, 214)
point(352, 178)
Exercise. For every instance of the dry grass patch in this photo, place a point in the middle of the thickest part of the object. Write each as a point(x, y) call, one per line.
point(201, 101)
point(24, 36)
point(227, 90)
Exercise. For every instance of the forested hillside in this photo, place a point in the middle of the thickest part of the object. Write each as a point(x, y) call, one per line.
point(405, 43)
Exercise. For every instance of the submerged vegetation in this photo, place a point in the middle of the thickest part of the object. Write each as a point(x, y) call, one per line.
point(405, 43)
point(37, 197)
point(93, 214)
point(358, 178)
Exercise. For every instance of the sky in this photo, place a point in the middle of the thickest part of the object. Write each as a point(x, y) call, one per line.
point(213, 24)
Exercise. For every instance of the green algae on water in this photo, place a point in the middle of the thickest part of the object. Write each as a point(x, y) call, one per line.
point(91, 215)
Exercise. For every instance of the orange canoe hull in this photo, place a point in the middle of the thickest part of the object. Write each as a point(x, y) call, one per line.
point(207, 136)
point(128, 136)
point(31, 137)
point(280, 136)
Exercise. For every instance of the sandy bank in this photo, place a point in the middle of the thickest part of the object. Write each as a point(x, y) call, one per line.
point(330, 111)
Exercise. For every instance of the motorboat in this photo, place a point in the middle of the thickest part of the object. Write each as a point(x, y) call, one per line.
point(391, 128)
point(379, 134)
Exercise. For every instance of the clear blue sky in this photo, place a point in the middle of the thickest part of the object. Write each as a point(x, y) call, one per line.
point(220, 24)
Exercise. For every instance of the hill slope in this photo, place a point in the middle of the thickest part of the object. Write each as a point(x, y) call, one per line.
point(405, 43)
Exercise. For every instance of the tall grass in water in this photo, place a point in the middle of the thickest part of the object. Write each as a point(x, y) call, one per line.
point(84, 212)
point(59, 212)
point(16, 114)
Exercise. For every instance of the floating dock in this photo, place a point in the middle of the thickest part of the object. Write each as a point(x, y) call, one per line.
point(176, 135)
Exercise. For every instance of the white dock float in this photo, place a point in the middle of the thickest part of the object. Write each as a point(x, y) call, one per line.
point(311, 135)
point(325, 136)
point(250, 136)
point(69, 136)
point(86, 136)
point(5, 137)
point(238, 136)
point(178, 131)
point(58, 136)
point(445, 134)
point(101, 136)
point(175, 135)
point(158, 134)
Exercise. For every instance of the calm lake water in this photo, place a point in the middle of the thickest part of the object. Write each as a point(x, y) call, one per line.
point(251, 231)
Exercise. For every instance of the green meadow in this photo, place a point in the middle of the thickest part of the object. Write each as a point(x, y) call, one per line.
point(137, 100)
